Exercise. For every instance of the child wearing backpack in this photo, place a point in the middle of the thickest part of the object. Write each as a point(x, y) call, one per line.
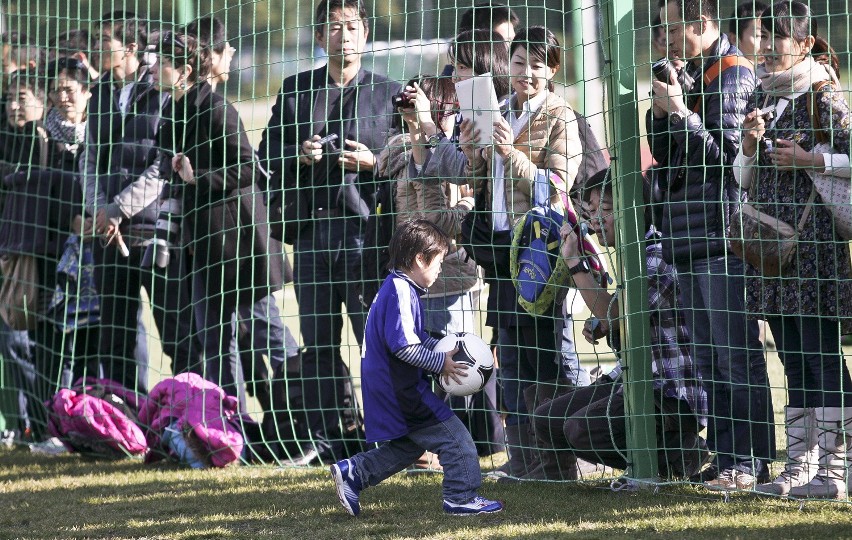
point(400, 410)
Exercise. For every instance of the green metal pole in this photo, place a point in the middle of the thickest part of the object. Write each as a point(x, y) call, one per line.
point(579, 52)
point(619, 40)
point(184, 11)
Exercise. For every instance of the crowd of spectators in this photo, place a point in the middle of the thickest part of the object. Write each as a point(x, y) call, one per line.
point(117, 149)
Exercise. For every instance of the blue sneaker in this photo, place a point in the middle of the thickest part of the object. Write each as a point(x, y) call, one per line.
point(477, 505)
point(348, 485)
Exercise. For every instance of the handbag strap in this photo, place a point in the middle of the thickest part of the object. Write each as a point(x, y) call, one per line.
point(808, 206)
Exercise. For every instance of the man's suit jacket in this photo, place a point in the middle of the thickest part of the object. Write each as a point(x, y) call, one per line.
point(293, 121)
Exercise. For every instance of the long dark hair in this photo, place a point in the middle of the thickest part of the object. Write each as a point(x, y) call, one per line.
point(541, 44)
point(484, 51)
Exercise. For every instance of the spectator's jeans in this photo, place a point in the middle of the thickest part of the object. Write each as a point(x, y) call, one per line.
point(809, 348)
point(729, 356)
point(16, 348)
point(119, 280)
point(449, 314)
point(328, 255)
point(574, 372)
point(449, 439)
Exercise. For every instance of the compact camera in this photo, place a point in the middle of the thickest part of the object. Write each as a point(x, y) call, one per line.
point(329, 144)
point(402, 99)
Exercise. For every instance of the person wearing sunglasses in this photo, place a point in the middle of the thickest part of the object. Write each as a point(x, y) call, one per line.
point(224, 219)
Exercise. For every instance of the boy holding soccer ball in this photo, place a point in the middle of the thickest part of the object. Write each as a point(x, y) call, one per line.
point(400, 410)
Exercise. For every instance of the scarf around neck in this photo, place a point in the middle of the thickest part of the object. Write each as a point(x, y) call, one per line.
point(71, 135)
point(799, 78)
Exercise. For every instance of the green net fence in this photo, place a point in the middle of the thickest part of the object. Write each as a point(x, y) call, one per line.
point(654, 254)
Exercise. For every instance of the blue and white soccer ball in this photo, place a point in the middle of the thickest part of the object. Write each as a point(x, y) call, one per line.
point(476, 354)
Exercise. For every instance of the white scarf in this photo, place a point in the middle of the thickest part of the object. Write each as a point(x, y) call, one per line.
point(795, 80)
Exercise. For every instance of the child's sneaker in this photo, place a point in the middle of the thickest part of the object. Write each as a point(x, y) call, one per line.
point(477, 505)
point(50, 447)
point(348, 485)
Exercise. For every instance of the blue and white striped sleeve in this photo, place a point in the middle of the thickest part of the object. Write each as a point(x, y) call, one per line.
point(422, 357)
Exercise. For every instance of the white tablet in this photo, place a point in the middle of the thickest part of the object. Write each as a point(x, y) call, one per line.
point(478, 101)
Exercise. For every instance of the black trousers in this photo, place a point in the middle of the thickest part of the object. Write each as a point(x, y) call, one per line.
point(590, 421)
point(119, 280)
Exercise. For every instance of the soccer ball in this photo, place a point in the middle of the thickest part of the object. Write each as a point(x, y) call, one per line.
point(476, 354)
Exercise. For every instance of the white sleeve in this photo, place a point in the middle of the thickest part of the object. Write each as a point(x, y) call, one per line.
point(744, 169)
point(837, 165)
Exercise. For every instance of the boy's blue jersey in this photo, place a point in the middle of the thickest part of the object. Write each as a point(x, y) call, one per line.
point(398, 397)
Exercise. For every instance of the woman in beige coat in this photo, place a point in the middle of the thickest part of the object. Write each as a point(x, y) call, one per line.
point(536, 137)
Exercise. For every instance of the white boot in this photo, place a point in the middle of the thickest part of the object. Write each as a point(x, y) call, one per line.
point(833, 423)
point(802, 452)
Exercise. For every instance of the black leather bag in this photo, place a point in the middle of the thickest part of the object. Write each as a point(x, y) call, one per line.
point(289, 209)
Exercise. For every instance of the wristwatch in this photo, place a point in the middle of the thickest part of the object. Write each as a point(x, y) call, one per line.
point(677, 116)
point(582, 266)
point(434, 139)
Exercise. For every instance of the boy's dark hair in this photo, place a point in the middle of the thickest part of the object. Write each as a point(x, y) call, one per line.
point(485, 52)
point(70, 43)
point(73, 68)
point(184, 50)
point(325, 7)
point(541, 44)
point(485, 16)
point(210, 31)
point(413, 238)
point(692, 10)
point(750, 9)
point(28, 79)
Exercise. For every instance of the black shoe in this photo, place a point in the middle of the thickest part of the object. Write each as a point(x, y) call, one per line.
point(708, 474)
point(695, 456)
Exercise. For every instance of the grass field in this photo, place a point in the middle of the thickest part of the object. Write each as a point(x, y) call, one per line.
point(70, 497)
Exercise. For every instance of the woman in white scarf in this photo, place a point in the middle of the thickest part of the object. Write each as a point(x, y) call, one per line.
point(808, 312)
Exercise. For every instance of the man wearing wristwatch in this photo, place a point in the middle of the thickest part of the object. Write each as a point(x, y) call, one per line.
point(590, 420)
point(694, 134)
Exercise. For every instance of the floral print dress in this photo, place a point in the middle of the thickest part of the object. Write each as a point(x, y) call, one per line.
point(821, 277)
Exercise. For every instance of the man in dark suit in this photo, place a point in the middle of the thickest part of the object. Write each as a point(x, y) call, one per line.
point(335, 186)
point(122, 185)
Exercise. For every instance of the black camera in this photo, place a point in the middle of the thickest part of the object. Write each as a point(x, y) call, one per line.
point(329, 144)
point(662, 70)
point(402, 99)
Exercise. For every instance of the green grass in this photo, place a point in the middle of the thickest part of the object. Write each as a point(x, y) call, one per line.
point(71, 497)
